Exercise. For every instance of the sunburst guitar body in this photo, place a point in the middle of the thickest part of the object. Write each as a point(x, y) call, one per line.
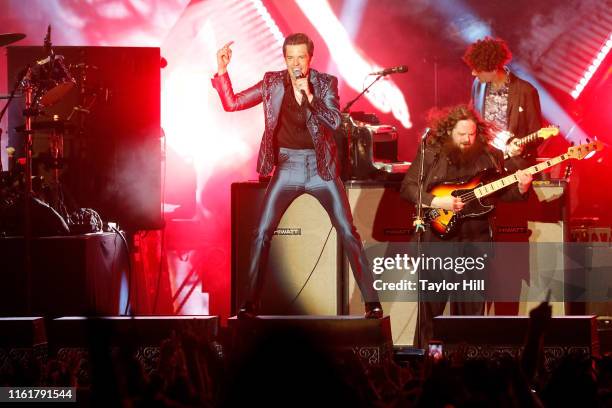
point(444, 222)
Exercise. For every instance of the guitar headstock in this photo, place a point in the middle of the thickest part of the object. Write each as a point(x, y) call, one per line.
point(548, 131)
point(579, 152)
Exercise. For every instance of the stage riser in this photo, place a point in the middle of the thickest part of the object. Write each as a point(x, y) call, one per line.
point(80, 333)
point(76, 332)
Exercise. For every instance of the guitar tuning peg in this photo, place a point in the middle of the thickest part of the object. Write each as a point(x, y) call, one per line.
point(568, 171)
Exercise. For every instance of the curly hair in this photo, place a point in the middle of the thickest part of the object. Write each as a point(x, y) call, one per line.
point(488, 54)
point(443, 121)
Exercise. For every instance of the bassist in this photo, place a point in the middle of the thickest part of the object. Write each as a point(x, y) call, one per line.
point(458, 146)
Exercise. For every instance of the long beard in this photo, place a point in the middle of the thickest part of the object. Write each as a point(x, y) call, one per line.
point(462, 157)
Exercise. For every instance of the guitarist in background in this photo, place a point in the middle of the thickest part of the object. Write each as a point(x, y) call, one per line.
point(458, 146)
point(504, 100)
point(508, 103)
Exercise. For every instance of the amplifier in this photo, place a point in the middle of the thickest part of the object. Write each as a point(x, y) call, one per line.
point(302, 272)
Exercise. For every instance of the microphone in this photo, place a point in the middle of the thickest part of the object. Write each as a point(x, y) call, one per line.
point(425, 133)
point(395, 70)
point(297, 73)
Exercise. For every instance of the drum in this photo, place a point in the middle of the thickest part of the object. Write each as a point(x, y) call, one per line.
point(50, 80)
point(46, 221)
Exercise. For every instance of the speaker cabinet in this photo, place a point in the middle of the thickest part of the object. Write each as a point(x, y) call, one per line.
point(381, 217)
point(598, 282)
point(21, 332)
point(493, 336)
point(302, 272)
point(70, 275)
point(542, 218)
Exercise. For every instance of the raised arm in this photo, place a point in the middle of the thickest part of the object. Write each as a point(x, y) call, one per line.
point(222, 83)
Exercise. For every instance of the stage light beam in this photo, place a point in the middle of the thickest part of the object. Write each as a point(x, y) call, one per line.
point(590, 71)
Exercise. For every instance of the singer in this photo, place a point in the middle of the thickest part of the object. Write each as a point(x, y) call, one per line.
point(301, 109)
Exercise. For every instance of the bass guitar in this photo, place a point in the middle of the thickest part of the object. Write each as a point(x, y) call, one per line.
point(473, 191)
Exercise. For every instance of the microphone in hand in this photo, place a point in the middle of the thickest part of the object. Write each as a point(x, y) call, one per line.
point(297, 73)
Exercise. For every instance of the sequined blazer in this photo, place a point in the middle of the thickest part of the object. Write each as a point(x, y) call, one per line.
point(322, 119)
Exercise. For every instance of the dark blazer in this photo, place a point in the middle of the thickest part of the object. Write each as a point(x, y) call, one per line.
point(524, 113)
point(322, 119)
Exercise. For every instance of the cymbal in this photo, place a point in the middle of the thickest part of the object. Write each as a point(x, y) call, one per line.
point(9, 38)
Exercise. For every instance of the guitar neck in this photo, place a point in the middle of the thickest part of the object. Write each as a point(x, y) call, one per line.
point(528, 139)
point(504, 182)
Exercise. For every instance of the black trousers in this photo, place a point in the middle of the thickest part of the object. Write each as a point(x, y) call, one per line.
point(471, 230)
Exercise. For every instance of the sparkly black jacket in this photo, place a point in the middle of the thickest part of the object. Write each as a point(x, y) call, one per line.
point(322, 119)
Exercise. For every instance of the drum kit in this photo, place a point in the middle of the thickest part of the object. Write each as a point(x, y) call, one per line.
point(42, 84)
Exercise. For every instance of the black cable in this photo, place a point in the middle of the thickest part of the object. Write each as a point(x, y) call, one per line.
point(113, 267)
point(313, 268)
point(129, 260)
point(163, 232)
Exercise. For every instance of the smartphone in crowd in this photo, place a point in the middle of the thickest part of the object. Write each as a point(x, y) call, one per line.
point(435, 350)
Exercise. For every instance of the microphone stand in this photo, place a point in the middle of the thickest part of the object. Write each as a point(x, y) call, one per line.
point(418, 218)
point(419, 225)
point(30, 111)
point(345, 112)
point(352, 101)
